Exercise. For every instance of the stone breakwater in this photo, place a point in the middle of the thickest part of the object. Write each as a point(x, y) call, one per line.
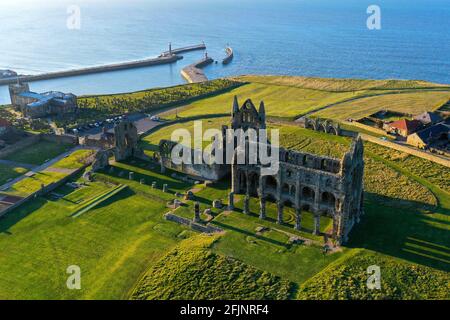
point(193, 73)
point(229, 57)
point(185, 49)
point(95, 69)
point(165, 58)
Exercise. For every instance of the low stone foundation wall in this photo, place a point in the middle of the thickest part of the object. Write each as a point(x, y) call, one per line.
point(43, 191)
point(193, 225)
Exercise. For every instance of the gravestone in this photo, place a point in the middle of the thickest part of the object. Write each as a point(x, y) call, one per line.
point(197, 212)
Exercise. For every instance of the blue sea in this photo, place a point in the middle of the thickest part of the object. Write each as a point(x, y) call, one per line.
point(325, 38)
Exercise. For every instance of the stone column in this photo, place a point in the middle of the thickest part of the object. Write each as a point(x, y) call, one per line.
point(247, 204)
point(197, 212)
point(280, 213)
point(165, 187)
point(335, 227)
point(298, 219)
point(231, 201)
point(316, 224)
point(262, 212)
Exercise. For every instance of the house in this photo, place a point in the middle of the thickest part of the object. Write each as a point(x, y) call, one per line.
point(422, 139)
point(428, 118)
point(38, 105)
point(403, 127)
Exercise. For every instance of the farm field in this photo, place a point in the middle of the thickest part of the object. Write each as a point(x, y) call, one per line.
point(280, 101)
point(291, 97)
point(409, 103)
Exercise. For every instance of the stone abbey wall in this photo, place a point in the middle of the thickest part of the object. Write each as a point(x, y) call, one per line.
point(320, 185)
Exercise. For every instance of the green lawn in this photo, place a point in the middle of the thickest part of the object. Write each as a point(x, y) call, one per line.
point(409, 103)
point(336, 84)
point(290, 97)
point(280, 101)
point(126, 249)
point(50, 175)
point(39, 152)
point(113, 243)
point(177, 276)
point(10, 172)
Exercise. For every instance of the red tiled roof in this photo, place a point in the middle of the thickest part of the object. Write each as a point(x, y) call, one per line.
point(405, 124)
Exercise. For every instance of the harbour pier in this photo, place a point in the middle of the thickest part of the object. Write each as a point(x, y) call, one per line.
point(167, 57)
point(201, 46)
point(229, 57)
point(193, 73)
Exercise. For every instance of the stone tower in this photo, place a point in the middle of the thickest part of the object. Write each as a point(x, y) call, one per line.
point(16, 89)
point(126, 141)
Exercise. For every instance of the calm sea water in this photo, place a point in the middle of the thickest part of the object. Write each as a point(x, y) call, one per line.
point(326, 38)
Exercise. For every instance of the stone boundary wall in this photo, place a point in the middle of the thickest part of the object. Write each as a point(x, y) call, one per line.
point(69, 139)
point(35, 139)
point(368, 128)
point(193, 225)
point(43, 191)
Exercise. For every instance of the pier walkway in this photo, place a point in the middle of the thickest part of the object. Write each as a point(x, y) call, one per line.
point(193, 73)
point(164, 58)
point(229, 57)
point(201, 46)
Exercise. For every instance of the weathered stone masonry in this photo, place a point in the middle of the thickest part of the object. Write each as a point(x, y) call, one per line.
point(321, 185)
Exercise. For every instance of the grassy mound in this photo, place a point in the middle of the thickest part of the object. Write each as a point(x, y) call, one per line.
point(347, 279)
point(191, 271)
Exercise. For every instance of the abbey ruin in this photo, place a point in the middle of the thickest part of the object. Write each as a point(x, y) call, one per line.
point(321, 185)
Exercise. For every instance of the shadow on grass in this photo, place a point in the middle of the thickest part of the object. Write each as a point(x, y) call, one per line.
point(250, 234)
point(407, 233)
point(15, 216)
point(122, 195)
point(173, 185)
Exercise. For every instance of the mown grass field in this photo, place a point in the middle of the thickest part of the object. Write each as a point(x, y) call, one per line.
point(38, 153)
point(52, 174)
point(409, 103)
point(290, 97)
point(280, 101)
point(113, 243)
point(10, 172)
point(126, 249)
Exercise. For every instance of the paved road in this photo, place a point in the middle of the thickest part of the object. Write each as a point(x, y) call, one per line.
point(43, 166)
